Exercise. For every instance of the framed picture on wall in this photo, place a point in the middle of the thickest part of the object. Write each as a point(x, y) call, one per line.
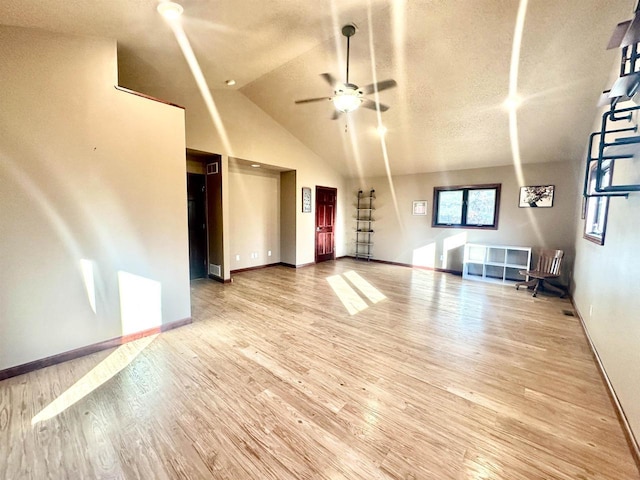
point(306, 200)
point(536, 196)
point(419, 207)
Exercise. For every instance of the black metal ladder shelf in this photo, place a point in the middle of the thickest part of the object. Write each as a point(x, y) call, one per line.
point(364, 224)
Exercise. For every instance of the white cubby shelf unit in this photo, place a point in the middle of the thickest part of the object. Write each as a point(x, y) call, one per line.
point(495, 263)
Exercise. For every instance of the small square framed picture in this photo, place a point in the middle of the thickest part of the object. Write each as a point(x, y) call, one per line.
point(419, 207)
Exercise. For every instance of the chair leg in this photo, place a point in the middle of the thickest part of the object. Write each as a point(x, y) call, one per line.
point(553, 288)
point(530, 283)
point(535, 290)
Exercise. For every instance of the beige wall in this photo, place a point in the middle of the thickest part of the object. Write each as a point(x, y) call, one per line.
point(402, 237)
point(607, 280)
point(254, 216)
point(288, 217)
point(255, 136)
point(86, 172)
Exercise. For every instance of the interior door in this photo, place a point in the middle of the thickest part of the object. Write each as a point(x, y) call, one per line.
point(196, 201)
point(325, 223)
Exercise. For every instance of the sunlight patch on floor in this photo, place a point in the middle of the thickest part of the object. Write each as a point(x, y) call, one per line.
point(368, 290)
point(347, 295)
point(99, 375)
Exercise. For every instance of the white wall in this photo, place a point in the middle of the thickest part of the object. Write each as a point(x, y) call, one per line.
point(86, 172)
point(254, 216)
point(402, 237)
point(607, 279)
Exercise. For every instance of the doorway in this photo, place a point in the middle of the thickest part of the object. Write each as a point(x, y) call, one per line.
point(196, 204)
point(325, 223)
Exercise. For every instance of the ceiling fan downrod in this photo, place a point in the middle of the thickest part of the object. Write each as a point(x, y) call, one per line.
point(348, 31)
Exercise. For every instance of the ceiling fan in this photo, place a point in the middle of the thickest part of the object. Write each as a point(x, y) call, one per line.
point(347, 97)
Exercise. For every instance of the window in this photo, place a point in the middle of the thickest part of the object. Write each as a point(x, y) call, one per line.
point(597, 208)
point(474, 206)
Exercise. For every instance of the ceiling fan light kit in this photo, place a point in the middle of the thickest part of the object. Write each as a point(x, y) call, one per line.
point(348, 97)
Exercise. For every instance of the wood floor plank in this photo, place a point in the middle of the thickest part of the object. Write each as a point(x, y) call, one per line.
point(435, 378)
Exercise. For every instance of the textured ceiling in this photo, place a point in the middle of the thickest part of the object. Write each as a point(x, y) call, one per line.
point(450, 58)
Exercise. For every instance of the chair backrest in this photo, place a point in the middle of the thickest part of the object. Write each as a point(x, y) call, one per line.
point(550, 261)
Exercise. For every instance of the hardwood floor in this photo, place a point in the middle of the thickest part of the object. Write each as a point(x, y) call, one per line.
point(432, 378)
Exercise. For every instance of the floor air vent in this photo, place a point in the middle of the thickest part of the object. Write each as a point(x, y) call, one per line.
point(568, 313)
point(215, 270)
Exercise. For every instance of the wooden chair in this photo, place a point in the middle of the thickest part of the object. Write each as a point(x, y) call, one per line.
point(548, 267)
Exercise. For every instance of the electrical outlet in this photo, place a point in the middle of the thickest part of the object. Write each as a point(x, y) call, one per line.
point(237, 258)
point(269, 253)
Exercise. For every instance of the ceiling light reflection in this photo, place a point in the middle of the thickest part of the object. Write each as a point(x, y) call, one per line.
point(170, 10)
point(512, 102)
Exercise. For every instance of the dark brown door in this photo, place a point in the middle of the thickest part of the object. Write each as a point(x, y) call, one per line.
point(325, 221)
point(196, 199)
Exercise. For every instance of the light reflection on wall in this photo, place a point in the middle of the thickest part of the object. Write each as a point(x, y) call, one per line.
point(449, 244)
point(140, 303)
point(196, 71)
point(424, 256)
point(383, 141)
point(98, 376)
point(513, 103)
point(86, 267)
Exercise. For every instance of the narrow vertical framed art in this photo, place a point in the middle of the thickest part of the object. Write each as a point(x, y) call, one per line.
point(306, 200)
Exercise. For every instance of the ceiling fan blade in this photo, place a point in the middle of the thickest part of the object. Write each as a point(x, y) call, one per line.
point(310, 100)
point(330, 79)
point(366, 103)
point(380, 86)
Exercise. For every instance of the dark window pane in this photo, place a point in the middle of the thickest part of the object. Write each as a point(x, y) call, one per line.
point(596, 215)
point(450, 207)
point(481, 207)
point(473, 206)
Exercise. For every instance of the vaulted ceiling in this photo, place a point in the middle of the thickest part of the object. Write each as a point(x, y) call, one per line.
point(452, 61)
